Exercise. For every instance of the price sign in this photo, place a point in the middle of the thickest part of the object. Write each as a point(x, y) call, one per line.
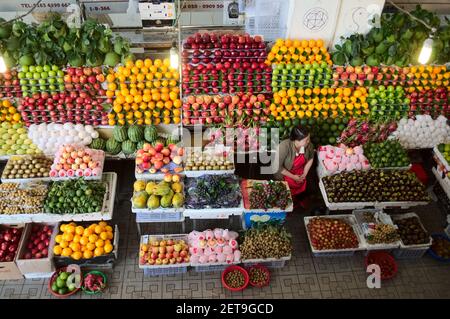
point(105, 7)
point(205, 5)
point(44, 6)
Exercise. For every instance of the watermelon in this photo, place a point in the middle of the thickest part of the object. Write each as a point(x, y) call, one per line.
point(136, 133)
point(172, 140)
point(120, 134)
point(113, 147)
point(140, 145)
point(128, 147)
point(150, 133)
point(98, 144)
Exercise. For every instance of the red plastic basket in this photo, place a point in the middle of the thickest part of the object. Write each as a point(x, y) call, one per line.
point(230, 269)
point(53, 278)
point(380, 258)
point(266, 270)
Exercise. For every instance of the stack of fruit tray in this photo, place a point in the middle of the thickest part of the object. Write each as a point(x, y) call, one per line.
point(411, 251)
point(350, 220)
point(361, 205)
point(359, 216)
point(105, 261)
point(105, 214)
point(160, 270)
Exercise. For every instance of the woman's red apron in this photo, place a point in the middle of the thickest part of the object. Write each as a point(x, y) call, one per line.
point(297, 169)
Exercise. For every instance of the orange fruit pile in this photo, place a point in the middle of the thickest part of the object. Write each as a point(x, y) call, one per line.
point(78, 242)
point(426, 77)
point(318, 102)
point(8, 112)
point(298, 51)
point(144, 92)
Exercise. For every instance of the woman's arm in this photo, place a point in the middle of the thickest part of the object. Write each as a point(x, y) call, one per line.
point(306, 170)
point(286, 173)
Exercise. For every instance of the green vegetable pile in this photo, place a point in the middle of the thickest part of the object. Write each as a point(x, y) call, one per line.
point(386, 155)
point(54, 42)
point(388, 102)
point(398, 41)
point(75, 197)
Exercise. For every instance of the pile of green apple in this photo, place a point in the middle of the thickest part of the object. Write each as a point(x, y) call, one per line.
point(37, 78)
point(14, 140)
point(301, 75)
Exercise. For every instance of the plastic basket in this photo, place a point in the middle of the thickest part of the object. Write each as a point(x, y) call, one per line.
point(233, 268)
point(373, 247)
point(94, 272)
point(211, 268)
point(271, 263)
point(431, 251)
point(160, 217)
point(380, 257)
point(52, 280)
point(154, 272)
point(413, 251)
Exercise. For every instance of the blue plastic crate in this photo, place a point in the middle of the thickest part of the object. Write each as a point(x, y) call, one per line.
point(433, 254)
point(263, 217)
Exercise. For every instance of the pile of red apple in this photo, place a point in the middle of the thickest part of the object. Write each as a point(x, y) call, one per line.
point(10, 84)
point(331, 234)
point(75, 107)
point(9, 243)
point(85, 79)
point(38, 242)
point(430, 102)
point(206, 109)
point(164, 252)
point(157, 159)
point(206, 48)
point(225, 64)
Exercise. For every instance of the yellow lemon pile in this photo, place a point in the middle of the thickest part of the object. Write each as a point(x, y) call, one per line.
point(144, 92)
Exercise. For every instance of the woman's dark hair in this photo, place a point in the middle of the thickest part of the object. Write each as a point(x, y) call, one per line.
point(299, 133)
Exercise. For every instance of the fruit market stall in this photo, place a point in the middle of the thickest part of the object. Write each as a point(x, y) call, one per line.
point(265, 201)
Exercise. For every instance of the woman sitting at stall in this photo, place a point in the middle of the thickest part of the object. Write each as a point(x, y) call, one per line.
point(295, 158)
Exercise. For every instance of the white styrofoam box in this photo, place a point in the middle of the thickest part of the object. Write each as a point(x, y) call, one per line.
point(355, 16)
point(313, 19)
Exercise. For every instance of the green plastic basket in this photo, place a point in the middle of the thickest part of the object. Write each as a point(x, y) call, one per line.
point(94, 272)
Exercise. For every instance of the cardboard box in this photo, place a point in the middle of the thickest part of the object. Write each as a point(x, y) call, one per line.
point(43, 265)
point(9, 270)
